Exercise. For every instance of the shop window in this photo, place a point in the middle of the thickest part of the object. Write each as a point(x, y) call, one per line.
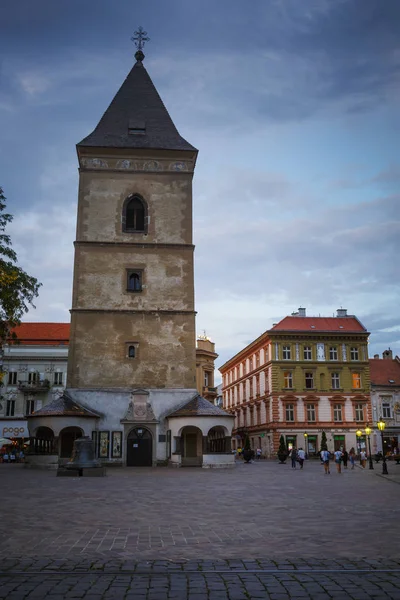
point(289, 412)
point(288, 379)
point(356, 379)
point(337, 413)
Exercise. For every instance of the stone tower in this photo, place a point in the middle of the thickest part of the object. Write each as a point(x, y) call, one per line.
point(132, 317)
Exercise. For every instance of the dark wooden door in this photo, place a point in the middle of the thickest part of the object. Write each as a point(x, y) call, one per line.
point(140, 448)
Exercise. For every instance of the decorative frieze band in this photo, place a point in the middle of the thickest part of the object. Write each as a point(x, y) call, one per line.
point(126, 164)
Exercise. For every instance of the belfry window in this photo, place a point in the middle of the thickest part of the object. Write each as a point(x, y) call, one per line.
point(134, 281)
point(134, 217)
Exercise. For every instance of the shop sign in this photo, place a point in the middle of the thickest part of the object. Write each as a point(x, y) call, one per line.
point(14, 429)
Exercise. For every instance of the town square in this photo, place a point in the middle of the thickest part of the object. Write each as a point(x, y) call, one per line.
point(199, 333)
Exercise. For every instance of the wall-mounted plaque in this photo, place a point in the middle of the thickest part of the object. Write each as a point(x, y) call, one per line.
point(103, 443)
point(116, 445)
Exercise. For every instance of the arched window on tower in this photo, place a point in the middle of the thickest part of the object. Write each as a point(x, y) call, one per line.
point(134, 281)
point(134, 215)
point(131, 351)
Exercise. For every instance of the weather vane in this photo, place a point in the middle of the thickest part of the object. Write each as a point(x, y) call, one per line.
point(139, 39)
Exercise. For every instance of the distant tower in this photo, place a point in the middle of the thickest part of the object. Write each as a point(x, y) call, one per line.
point(133, 318)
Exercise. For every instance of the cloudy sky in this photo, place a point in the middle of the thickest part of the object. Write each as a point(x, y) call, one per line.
point(294, 106)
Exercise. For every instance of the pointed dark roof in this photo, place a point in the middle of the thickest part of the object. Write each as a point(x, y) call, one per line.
point(136, 107)
point(199, 407)
point(64, 406)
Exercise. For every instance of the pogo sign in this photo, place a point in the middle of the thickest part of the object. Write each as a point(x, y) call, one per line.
point(14, 432)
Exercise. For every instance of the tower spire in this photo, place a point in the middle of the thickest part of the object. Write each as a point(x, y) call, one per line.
point(139, 39)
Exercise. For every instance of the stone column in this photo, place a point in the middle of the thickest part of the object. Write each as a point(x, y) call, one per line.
point(206, 449)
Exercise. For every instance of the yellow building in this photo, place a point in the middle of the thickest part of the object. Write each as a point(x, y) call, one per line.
point(304, 376)
point(205, 358)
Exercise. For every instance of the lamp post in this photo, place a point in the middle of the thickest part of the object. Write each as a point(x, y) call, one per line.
point(381, 426)
point(306, 443)
point(359, 434)
point(368, 431)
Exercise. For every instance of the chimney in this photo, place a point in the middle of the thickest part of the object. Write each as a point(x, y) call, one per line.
point(302, 312)
point(376, 355)
point(387, 354)
point(341, 312)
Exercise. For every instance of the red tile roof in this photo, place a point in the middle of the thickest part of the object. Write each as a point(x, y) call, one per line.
point(384, 370)
point(319, 324)
point(38, 334)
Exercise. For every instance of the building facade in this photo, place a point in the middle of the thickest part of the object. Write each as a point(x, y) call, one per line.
point(205, 368)
point(304, 376)
point(35, 371)
point(385, 398)
point(131, 376)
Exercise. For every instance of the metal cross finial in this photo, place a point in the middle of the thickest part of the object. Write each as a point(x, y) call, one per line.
point(140, 38)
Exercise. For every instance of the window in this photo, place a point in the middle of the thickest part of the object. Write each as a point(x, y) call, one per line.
point(58, 378)
point(258, 385)
point(30, 407)
point(356, 378)
point(266, 354)
point(134, 281)
point(12, 378)
point(286, 352)
point(386, 410)
point(359, 409)
point(257, 359)
point(288, 379)
point(289, 412)
point(337, 412)
point(33, 377)
point(250, 364)
point(333, 354)
point(311, 413)
point(205, 379)
point(10, 408)
point(307, 353)
point(309, 381)
point(335, 381)
point(353, 353)
point(131, 352)
point(134, 215)
point(251, 387)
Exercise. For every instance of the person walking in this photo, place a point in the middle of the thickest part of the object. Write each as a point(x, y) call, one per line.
point(352, 455)
point(345, 458)
point(301, 456)
point(5, 457)
point(258, 453)
point(363, 458)
point(293, 457)
point(325, 456)
point(338, 460)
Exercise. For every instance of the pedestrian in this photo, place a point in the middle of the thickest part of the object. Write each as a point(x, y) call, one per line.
point(363, 458)
point(258, 453)
point(12, 457)
point(21, 456)
point(345, 458)
point(352, 455)
point(293, 456)
point(301, 456)
point(5, 457)
point(325, 456)
point(338, 460)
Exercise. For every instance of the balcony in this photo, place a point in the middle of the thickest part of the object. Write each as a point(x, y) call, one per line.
point(34, 386)
point(210, 391)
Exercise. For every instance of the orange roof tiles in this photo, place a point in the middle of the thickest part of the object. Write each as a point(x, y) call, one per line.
point(38, 334)
point(384, 370)
point(319, 324)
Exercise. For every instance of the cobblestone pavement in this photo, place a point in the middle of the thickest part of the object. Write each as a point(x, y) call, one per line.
point(166, 533)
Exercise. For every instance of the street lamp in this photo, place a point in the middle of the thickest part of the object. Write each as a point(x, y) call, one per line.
point(381, 426)
point(306, 443)
point(368, 431)
point(359, 434)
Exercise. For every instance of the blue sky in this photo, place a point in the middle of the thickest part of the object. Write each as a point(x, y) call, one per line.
point(294, 108)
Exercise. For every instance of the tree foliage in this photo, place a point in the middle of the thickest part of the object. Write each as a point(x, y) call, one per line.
point(247, 445)
point(17, 288)
point(324, 444)
point(282, 446)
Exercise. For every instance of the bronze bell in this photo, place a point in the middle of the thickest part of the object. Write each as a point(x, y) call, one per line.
point(83, 455)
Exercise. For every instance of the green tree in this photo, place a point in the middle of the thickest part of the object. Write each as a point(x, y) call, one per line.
point(247, 445)
point(324, 444)
point(17, 288)
point(282, 446)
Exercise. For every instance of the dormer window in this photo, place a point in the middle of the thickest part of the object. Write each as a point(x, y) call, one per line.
point(136, 127)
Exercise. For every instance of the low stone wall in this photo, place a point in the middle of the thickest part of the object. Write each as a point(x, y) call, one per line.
point(218, 461)
point(41, 461)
